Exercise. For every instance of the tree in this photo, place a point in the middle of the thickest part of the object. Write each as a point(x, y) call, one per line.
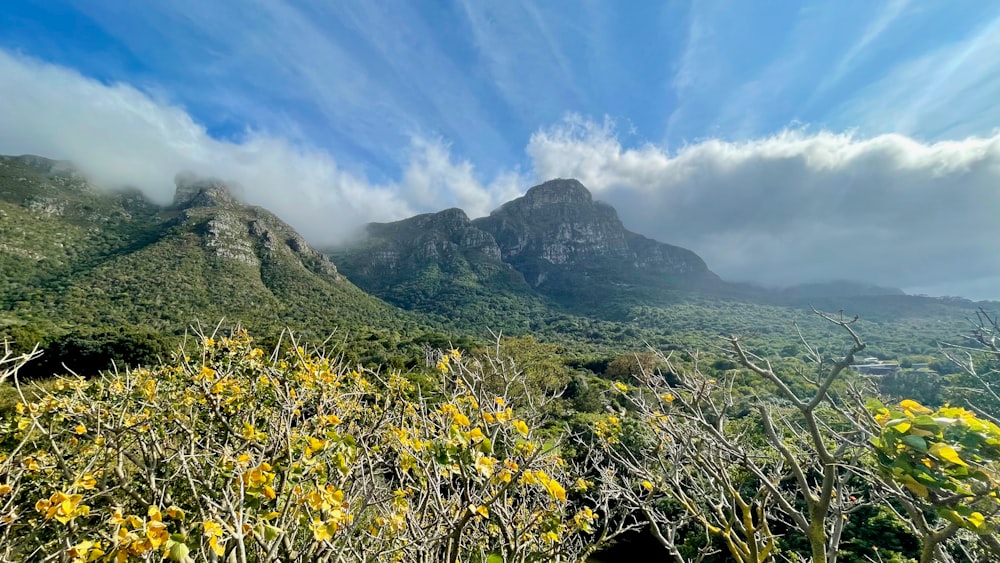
point(943, 467)
point(795, 463)
point(977, 386)
point(229, 454)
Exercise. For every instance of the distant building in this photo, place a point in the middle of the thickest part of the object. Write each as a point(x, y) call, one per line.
point(876, 367)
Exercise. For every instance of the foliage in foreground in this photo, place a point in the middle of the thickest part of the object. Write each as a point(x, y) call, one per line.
point(231, 454)
point(798, 467)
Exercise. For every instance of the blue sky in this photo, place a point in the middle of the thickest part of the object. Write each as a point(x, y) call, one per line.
point(361, 78)
point(417, 106)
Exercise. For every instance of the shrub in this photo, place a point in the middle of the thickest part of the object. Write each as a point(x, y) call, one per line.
point(233, 454)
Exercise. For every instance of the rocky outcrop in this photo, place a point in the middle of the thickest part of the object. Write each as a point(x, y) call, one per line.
point(195, 191)
point(401, 246)
point(241, 233)
point(434, 235)
point(555, 240)
point(558, 222)
point(557, 229)
point(423, 258)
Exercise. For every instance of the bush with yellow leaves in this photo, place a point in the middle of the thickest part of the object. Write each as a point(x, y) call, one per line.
point(945, 464)
point(232, 454)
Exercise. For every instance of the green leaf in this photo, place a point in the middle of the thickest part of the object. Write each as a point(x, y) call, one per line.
point(494, 558)
point(951, 516)
point(915, 442)
point(915, 487)
point(486, 446)
point(271, 532)
point(177, 551)
point(874, 404)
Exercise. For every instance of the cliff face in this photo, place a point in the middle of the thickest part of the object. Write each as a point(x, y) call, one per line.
point(558, 230)
point(554, 241)
point(558, 222)
point(240, 233)
point(430, 262)
point(432, 237)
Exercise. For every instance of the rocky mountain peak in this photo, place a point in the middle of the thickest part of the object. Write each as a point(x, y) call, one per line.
point(558, 222)
point(453, 215)
point(447, 220)
point(196, 191)
point(558, 191)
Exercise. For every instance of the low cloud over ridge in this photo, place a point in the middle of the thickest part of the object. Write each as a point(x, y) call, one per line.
point(801, 207)
point(121, 136)
point(795, 207)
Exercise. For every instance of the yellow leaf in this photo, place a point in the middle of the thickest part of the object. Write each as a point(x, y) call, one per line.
point(914, 407)
point(977, 520)
point(321, 531)
point(521, 427)
point(556, 490)
point(902, 426)
point(217, 547)
point(947, 453)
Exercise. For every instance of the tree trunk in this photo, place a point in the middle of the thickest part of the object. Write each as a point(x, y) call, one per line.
point(817, 539)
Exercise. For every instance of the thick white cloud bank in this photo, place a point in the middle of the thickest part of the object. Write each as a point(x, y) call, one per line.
point(120, 136)
point(796, 207)
point(802, 207)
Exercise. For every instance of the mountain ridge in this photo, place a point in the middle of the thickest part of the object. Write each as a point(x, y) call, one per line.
point(554, 263)
point(101, 257)
point(552, 243)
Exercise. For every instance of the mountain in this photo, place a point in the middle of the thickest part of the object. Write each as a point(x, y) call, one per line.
point(554, 263)
point(564, 242)
point(77, 255)
point(554, 244)
point(440, 264)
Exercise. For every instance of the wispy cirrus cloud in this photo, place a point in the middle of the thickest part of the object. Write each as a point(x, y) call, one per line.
point(880, 22)
point(948, 92)
point(914, 68)
point(312, 70)
point(522, 46)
